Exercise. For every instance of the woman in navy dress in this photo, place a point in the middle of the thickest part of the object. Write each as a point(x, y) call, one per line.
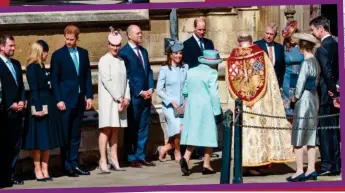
point(41, 123)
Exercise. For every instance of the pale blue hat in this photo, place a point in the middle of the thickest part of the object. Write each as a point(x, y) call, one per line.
point(175, 45)
point(210, 57)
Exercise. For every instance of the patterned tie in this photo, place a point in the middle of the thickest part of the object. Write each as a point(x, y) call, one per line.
point(75, 60)
point(140, 57)
point(14, 74)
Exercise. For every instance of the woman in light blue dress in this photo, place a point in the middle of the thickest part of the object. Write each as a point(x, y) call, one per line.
point(203, 110)
point(170, 83)
point(293, 60)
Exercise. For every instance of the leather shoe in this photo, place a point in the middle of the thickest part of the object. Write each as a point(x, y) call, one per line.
point(328, 173)
point(81, 172)
point(206, 171)
point(135, 164)
point(146, 163)
point(16, 181)
point(71, 173)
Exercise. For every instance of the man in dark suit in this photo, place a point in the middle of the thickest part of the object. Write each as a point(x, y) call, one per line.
point(327, 56)
point(13, 97)
point(274, 50)
point(71, 82)
point(194, 46)
point(141, 86)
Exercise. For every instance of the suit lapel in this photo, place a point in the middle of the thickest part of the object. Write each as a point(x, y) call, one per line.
point(196, 45)
point(264, 46)
point(81, 59)
point(130, 50)
point(9, 73)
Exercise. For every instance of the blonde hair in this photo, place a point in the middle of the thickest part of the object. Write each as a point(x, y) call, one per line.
point(35, 54)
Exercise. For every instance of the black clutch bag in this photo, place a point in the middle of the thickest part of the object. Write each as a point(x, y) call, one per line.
point(177, 114)
point(293, 80)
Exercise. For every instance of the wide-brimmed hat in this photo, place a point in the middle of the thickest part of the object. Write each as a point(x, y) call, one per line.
point(210, 57)
point(289, 29)
point(307, 37)
point(175, 45)
point(115, 36)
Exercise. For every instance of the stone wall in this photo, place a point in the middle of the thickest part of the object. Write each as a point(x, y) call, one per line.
point(223, 24)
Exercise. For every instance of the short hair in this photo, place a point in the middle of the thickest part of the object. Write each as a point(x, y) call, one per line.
point(321, 21)
point(4, 38)
point(272, 26)
point(244, 38)
point(199, 19)
point(306, 45)
point(72, 29)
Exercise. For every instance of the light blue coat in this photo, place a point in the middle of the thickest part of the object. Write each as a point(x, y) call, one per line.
point(203, 104)
point(172, 80)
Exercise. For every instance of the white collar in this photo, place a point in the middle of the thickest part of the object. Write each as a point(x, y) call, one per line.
point(326, 36)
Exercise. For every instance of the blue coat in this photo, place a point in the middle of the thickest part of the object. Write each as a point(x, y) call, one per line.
point(203, 104)
point(65, 80)
point(172, 80)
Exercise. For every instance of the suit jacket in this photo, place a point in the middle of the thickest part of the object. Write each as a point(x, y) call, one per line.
point(279, 66)
point(11, 91)
point(192, 50)
point(140, 78)
point(65, 80)
point(327, 56)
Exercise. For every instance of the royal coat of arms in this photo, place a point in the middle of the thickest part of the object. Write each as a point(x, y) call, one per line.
point(247, 74)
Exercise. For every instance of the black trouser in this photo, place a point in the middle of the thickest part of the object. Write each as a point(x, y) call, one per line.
point(329, 140)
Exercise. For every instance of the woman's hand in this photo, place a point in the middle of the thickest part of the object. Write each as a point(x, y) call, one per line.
point(39, 113)
point(293, 99)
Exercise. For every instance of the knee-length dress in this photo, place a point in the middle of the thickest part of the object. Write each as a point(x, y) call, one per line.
point(112, 85)
point(307, 105)
point(293, 60)
point(41, 133)
point(172, 81)
point(203, 104)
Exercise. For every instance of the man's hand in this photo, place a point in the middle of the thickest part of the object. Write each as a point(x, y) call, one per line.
point(126, 102)
point(144, 94)
point(14, 107)
point(336, 102)
point(21, 105)
point(39, 113)
point(88, 104)
point(61, 106)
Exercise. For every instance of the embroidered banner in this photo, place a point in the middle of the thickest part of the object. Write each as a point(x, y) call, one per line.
point(247, 74)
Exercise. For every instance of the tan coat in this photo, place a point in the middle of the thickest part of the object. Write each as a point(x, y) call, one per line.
point(112, 85)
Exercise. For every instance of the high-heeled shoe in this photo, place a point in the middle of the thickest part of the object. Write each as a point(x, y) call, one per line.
point(38, 179)
point(113, 166)
point(103, 171)
point(206, 171)
point(299, 178)
point(159, 152)
point(49, 179)
point(312, 176)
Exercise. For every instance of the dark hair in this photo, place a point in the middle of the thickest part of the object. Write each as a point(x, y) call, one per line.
point(247, 38)
point(321, 21)
point(306, 45)
point(44, 45)
point(168, 61)
point(4, 38)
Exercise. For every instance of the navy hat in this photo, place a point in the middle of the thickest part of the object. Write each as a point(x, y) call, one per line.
point(175, 45)
point(44, 45)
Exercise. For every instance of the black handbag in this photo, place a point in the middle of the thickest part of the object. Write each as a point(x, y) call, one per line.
point(177, 114)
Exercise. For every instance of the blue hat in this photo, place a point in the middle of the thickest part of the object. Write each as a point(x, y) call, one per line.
point(44, 45)
point(210, 57)
point(175, 45)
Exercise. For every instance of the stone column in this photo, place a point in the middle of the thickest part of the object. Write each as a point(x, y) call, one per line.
point(269, 14)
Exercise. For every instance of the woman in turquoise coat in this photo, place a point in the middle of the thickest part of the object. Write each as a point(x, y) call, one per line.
point(202, 106)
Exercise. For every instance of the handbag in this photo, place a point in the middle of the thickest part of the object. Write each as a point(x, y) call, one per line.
point(177, 114)
point(45, 109)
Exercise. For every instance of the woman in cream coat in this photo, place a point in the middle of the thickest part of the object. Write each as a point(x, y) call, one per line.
point(114, 97)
